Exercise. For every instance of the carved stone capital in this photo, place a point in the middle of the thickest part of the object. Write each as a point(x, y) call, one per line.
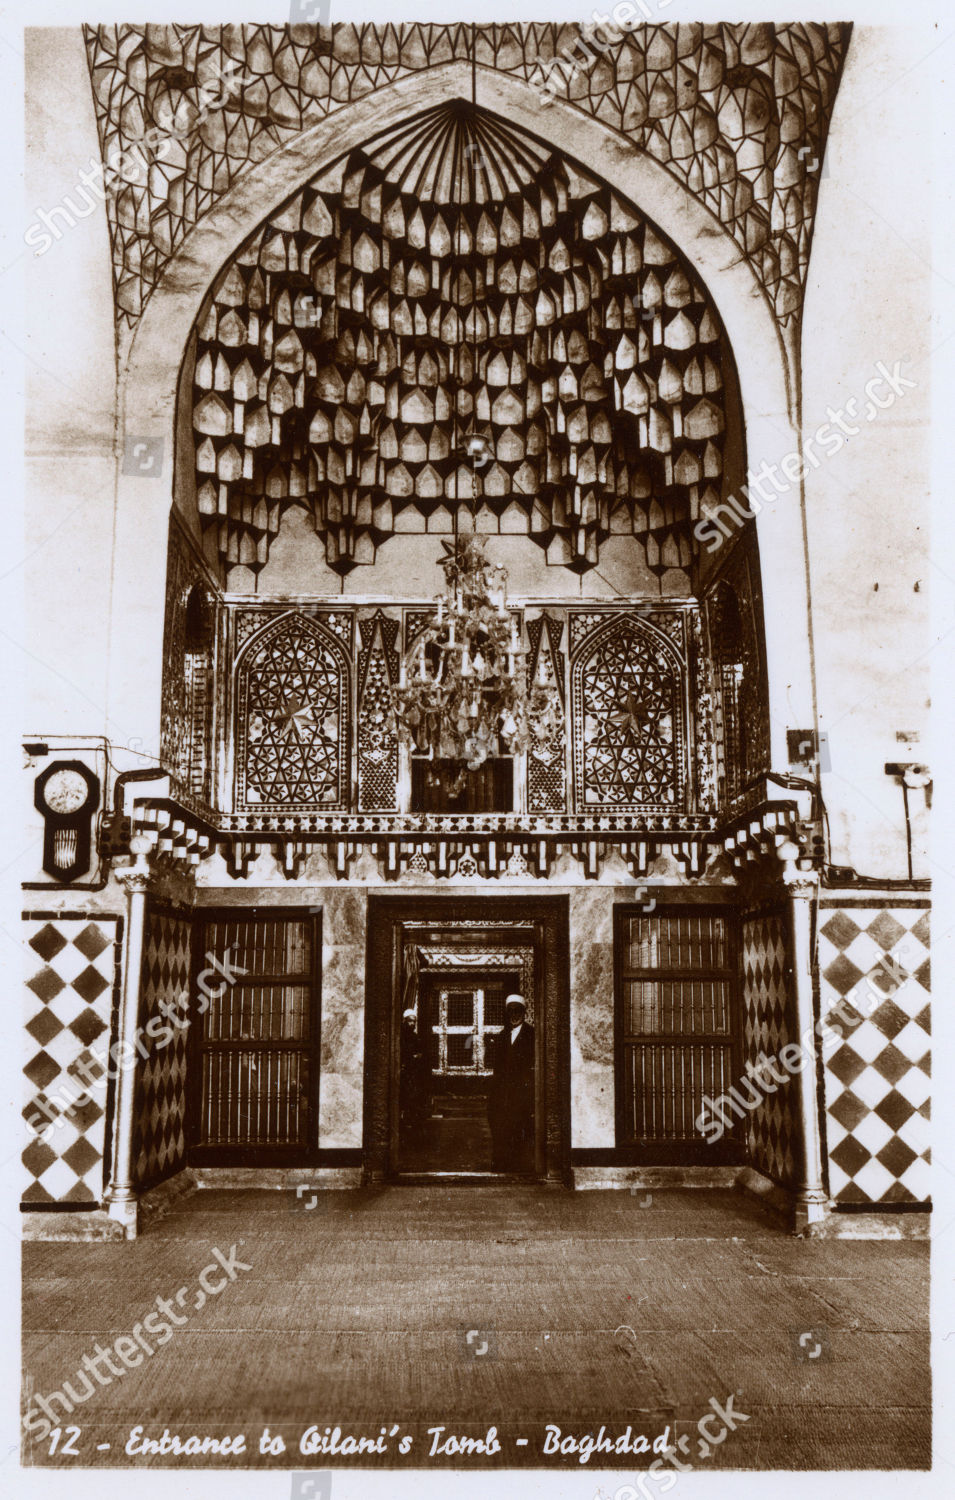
point(136, 879)
point(801, 884)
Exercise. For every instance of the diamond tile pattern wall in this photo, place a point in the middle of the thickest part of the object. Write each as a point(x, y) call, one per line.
point(72, 984)
point(159, 1137)
point(768, 1024)
point(874, 965)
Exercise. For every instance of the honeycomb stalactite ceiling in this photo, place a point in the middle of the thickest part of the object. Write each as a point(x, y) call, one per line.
point(738, 112)
point(456, 318)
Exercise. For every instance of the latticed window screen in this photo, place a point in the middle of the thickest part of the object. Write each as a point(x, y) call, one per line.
point(675, 1022)
point(628, 722)
point(197, 715)
point(257, 1037)
point(464, 1021)
point(292, 719)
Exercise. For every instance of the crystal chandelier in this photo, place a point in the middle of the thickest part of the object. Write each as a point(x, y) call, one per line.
point(463, 693)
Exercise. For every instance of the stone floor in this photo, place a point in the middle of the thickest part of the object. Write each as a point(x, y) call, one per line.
point(505, 1306)
point(453, 1137)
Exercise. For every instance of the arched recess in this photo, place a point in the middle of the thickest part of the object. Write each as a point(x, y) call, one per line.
point(291, 719)
point(630, 722)
point(454, 282)
point(151, 373)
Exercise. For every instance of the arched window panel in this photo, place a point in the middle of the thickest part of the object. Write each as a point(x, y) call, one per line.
point(188, 670)
point(377, 730)
point(546, 755)
point(292, 720)
point(629, 717)
point(741, 708)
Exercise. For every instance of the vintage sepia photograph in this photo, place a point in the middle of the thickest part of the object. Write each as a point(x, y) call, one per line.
point(476, 780)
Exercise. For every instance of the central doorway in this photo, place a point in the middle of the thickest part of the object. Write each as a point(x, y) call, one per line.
point(445, 1103)
point(439, 970)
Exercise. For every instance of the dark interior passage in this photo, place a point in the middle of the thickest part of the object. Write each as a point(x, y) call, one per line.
point(445, 1092)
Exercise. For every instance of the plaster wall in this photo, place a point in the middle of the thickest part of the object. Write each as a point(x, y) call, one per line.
point(71, 403)
point(867, 505)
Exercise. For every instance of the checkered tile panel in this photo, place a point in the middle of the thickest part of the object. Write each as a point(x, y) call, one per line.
point(874, 992)
point(72, 980)
point(159, 1138)
point(768, 1024)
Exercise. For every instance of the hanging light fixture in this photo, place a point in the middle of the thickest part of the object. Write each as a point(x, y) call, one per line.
point(464, 693)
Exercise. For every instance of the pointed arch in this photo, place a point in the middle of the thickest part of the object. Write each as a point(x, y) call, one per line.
point(152, 365)
point(291, 718)
point(629, 720)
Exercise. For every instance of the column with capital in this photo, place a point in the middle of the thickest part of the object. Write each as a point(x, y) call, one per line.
point(812, 1200)
point(121, 1195)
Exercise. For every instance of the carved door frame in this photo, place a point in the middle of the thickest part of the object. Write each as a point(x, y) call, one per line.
point(548, 920)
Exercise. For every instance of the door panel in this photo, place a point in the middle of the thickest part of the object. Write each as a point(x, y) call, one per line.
point(255, 1047)
point(459, 1015)
point(676, 1030)
point(462, 1021)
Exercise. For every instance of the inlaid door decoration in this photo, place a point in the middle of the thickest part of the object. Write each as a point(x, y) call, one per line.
point(676, 1028)
point(255, 1073)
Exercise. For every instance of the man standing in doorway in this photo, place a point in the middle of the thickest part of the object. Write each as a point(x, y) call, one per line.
point(511, 1098)
point(414, 1091)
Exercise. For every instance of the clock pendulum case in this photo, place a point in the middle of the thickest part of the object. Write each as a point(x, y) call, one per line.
point(67, 794)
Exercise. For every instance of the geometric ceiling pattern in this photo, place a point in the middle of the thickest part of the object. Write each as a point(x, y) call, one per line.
point(739, 113)
point(454, 317)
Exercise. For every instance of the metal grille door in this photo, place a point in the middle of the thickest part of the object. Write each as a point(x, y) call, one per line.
point(255, 1061)
point(676, 1029)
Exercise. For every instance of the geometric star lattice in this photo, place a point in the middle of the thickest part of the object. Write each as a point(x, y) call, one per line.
point(292, 719)
point(629, 729)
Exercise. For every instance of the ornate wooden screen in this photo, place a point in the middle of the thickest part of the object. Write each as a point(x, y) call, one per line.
point(293, 707)
point(314, 732)
point(629, 720)
point(254, 1077)
point(676, 1031)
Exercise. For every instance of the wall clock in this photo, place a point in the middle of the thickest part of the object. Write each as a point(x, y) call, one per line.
point(67, 794)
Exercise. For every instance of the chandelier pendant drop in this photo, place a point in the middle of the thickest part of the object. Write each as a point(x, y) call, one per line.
point(464, 692)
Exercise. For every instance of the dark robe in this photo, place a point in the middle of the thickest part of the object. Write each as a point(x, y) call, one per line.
point(415, 1080)
point(511, 1100)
